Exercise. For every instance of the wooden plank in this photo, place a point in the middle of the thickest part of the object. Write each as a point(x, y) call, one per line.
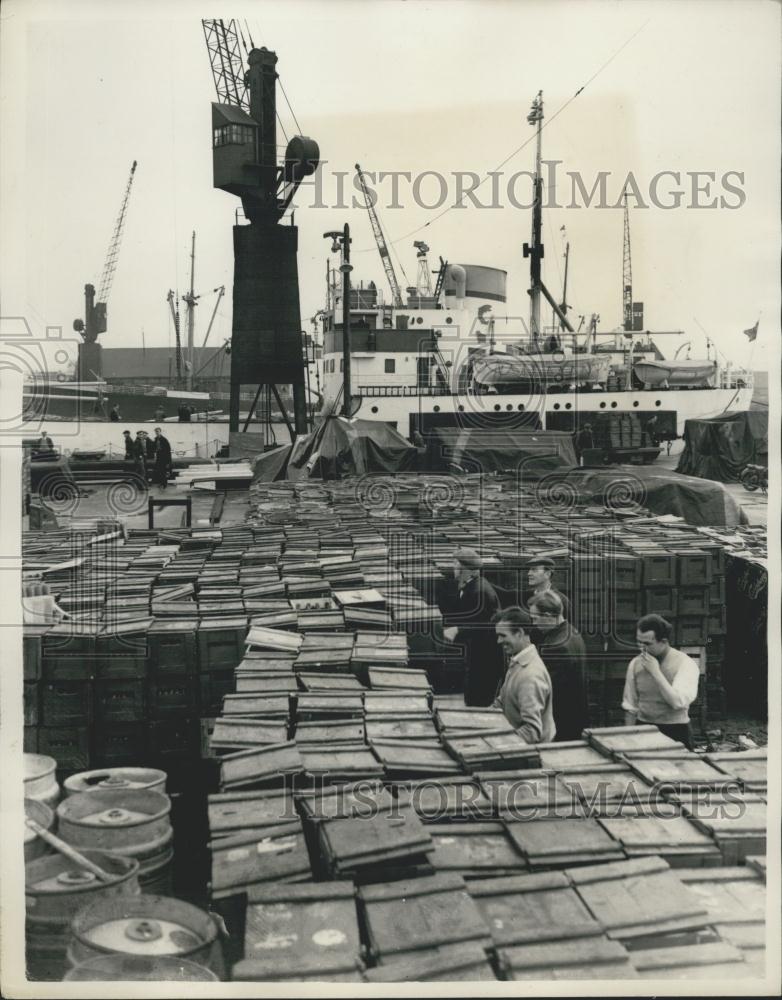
point(673, 838)
point(240, 861)
point(594, 957)
point(308, 928)
point(410, 916)
point(638, 897)
point(233, 811)
point(534, 907)
point(465, 962)
point(557, 843)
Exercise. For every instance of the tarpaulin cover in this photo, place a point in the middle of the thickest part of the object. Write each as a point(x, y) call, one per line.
point(338, 448)
point(534, 453)
point(623, 487)
point(720, 447)
point(272, 464)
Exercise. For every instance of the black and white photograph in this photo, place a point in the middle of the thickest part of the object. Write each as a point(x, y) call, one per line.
point(390, 487)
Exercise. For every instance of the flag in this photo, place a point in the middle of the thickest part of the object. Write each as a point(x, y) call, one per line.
point(752, 333)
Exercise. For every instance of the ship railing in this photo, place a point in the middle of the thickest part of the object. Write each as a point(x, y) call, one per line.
point(402, 390)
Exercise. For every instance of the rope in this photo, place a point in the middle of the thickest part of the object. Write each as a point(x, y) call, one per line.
point(296, 120)
point(516, 151)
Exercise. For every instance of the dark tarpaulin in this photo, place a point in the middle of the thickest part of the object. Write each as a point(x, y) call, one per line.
point(272, 464)
point(720, 447)
point(698, 501)
point(338, 448)
point(483, 450)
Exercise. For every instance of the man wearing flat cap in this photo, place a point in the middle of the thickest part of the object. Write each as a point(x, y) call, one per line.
point(470, 626)
point(540, 570)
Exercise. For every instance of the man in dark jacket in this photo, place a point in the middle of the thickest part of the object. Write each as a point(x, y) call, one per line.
point(162, 458)
point(140, 457)
point(562, 650)
point(540, 570)
point(470, 626)
point(130, 451)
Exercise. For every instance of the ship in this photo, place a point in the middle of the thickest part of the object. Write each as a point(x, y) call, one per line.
point(450, 356)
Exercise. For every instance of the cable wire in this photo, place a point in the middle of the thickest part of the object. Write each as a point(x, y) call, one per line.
point(526, 142)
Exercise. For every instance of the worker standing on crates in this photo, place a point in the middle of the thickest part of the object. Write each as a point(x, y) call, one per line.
point(469, 625)
point(162, 467)
point(661, 683)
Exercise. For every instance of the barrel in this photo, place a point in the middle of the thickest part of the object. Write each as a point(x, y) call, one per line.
point(139, 968)
point(116, 779)
point(34, 846)
point(39, 779)
point(55, 889)
point(145, 926)
point(131, 822)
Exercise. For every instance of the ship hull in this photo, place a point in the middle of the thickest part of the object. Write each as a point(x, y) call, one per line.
point(562, 411)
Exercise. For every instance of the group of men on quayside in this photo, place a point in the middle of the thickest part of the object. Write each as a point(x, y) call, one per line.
point(543, 689)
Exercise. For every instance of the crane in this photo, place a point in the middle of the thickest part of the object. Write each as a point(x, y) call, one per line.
point(175, 316)
point(627, 273)
point(385, 256)
point(424, 281)
point(94, 321)
point(220, 293)
point(225, 57)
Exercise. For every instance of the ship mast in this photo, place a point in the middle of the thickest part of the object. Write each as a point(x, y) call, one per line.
point(564, 304)
point(191, 299)
point(534, 249)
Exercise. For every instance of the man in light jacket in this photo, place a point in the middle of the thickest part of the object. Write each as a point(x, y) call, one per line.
point(525, 696)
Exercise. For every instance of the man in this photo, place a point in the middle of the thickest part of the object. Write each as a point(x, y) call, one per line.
point(114, 415)
point(525, 697)
point(584, 440)
point(44, 443)
point(562, 650)
point(160, 413)
point(470, 625)
point(149, 448)
point(140, 457)
point(162, 458)
point(661, 683)
point(130, 453)
point(540, 570)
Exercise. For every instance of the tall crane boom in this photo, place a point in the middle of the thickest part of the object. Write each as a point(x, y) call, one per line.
point(114, 244)
point(225, 57)
point(627, 274)
point(382, 247)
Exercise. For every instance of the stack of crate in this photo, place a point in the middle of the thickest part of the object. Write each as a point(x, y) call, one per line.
point(679, 577)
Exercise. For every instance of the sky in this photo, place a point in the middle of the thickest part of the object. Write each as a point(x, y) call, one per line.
point(401, 86)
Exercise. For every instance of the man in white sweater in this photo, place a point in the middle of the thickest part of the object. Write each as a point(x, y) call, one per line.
point(661, 683)
point(525, 696)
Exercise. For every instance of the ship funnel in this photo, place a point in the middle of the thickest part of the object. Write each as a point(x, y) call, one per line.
point(458, 277)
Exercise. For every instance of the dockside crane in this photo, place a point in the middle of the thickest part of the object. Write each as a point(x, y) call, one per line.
point(627, 272)
point(95, 316)
point(382, 246)
point(175, 317)
point(266, 341)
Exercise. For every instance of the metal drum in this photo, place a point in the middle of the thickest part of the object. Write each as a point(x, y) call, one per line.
point(151, 927)
point(55, 889)
point(116, 779)
point(134, 823)
point(140, 968)
point(34, 846)
point(39, 779)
